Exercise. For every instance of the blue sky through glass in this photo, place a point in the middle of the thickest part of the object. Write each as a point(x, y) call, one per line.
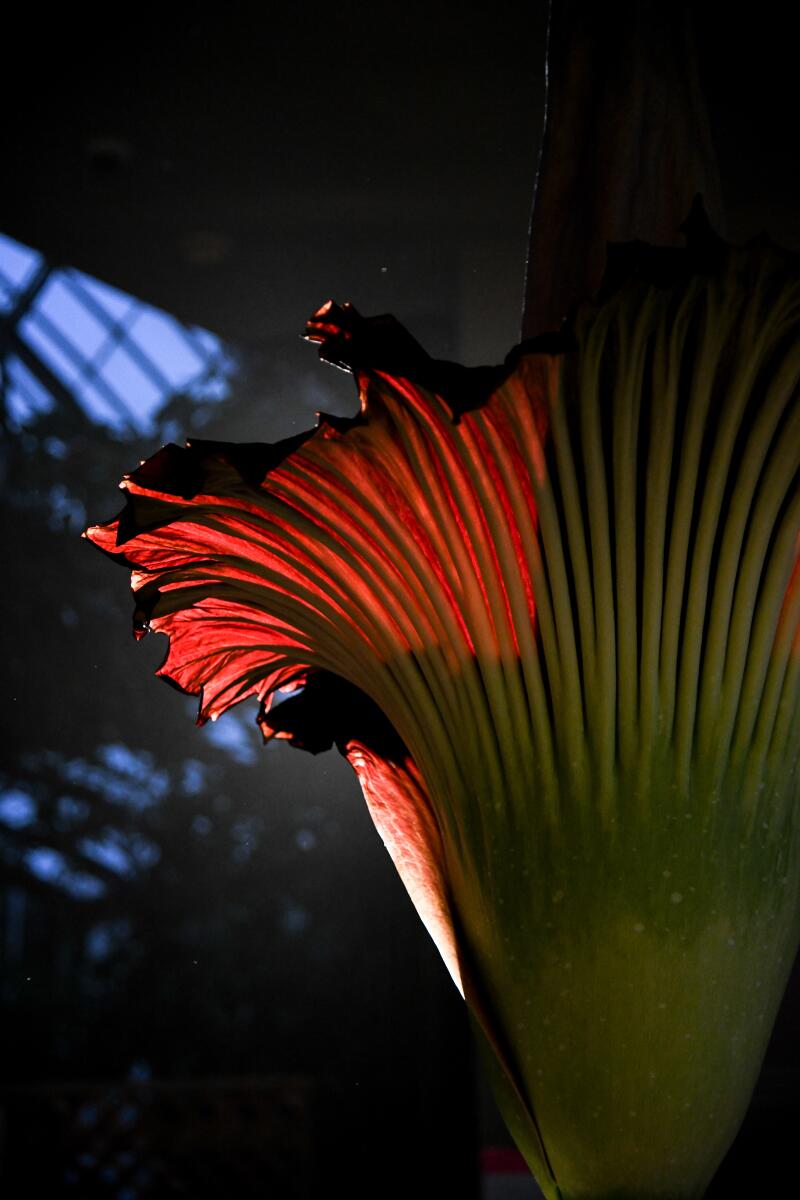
point(26, 397)
point(18, 264)
point(121, 359)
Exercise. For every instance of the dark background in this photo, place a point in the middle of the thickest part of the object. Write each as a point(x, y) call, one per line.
point(237, 169)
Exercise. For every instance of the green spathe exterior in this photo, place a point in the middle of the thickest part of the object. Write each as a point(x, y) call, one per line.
point(576, 605)
point(636, 978)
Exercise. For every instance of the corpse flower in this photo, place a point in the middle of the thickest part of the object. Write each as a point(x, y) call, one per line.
point(550, 613)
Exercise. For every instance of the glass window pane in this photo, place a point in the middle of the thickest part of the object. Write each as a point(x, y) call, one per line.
point(101, 408)
point(37, 395)
point(164, 341)
point(205, 341)
point(115, 302)
point(139, 393)
point(7, 296)
point(59, 303)
point(17, 262)
point(62, 365)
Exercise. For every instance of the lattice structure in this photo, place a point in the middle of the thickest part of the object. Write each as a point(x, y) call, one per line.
point(65, 336)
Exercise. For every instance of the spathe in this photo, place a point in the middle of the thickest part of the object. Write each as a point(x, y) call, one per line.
point(550, 612)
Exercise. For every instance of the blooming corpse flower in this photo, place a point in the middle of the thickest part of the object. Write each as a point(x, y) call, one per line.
point(550, 613)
